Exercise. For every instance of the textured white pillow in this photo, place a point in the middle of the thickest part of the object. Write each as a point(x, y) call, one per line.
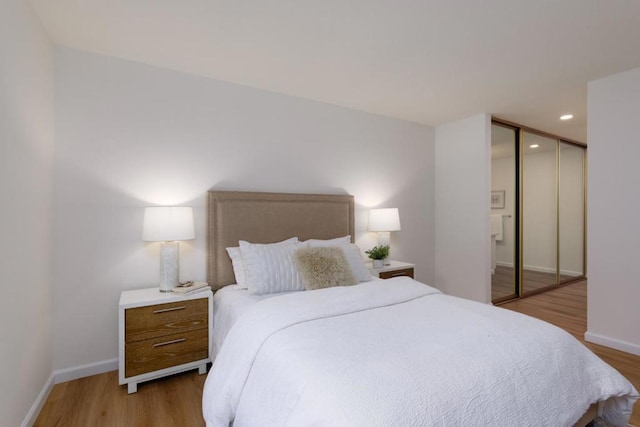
point(271, 267)
point(239, 268)
point(351, 252)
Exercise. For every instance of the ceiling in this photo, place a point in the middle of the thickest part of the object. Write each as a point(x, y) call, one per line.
point(426, 61)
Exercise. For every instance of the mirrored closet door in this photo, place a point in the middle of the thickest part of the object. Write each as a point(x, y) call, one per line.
point(537, 211)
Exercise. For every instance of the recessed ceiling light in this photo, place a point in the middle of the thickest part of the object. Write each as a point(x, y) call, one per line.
point(534, 146)
point(566, 117)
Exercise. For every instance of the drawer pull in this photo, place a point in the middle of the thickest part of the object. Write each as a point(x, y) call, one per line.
point(164, 310)
point(160, 344)
point(398, 274)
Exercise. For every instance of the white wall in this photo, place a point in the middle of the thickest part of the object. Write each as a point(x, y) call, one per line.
point(572, 209)
point(540, 211)
point(614, 211)
point(26, 171)
point(130, 135)
point(462, 206)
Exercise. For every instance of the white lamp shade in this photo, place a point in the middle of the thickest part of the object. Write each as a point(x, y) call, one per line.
point(164, 224)
point(387, 219)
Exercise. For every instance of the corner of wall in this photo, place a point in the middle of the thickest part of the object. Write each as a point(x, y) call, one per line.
point(35, 409)
point(463, 183)
point(613, 111)
point(27, 133)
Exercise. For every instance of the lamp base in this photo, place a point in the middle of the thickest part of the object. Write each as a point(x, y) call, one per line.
point(169, 266)
point(384, 239)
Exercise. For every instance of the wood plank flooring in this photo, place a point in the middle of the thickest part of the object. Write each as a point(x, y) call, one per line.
point(99, 401)
point(176, 401)
point(502, 282)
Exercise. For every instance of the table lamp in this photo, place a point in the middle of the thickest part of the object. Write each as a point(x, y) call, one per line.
point(384, 221)
point(168, 224)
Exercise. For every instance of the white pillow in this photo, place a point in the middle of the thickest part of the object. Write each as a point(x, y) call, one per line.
point(239, 268)
point(271, 268)
point(351, 252)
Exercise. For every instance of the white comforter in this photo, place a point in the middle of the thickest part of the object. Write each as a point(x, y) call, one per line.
point(398, 352)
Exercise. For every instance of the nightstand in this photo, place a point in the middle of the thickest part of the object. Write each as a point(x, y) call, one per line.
point(397, 268)
point(161, 334)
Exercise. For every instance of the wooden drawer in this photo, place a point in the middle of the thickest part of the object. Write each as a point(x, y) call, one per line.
point(396, 273)
point(166, 351)
point(159, 320)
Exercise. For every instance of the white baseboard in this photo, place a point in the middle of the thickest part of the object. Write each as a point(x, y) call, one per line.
point(504, 264)
point(616, 344)
point(70, 374)
point(34, 411)
point(541, 269)
point(571, 273)
point(64, 375)
point(552, 270)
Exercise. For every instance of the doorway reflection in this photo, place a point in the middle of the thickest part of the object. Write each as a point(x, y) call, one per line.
point(503, 213)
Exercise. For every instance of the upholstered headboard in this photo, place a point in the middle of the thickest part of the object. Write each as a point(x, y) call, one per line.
point(266, 218)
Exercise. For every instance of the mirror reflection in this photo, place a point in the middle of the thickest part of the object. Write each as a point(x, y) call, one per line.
point(572, 208)
point(503, 186)
point(539, 212)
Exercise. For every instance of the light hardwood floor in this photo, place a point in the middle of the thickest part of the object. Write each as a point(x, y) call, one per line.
point(502, 282)
point(99, 401)
point(175, 401)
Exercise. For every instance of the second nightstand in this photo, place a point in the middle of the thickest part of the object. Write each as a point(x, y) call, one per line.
point(397, 268)
point(163, 333)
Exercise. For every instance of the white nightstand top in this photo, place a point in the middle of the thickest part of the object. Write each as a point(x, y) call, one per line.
point(395, 265)
point(150, 296)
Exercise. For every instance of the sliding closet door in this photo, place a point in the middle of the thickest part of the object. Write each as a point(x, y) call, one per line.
point(503, 213)
point(572, 208)
point(539, 212)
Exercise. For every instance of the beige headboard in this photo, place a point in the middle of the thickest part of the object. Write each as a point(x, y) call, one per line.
point(266, 218)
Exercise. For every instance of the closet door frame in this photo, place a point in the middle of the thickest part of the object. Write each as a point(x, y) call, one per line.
point(515, 216)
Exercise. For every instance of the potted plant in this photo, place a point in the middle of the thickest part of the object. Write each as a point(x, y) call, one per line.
point(378, 254)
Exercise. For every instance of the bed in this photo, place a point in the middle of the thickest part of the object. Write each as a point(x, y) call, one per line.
point(393, 352)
